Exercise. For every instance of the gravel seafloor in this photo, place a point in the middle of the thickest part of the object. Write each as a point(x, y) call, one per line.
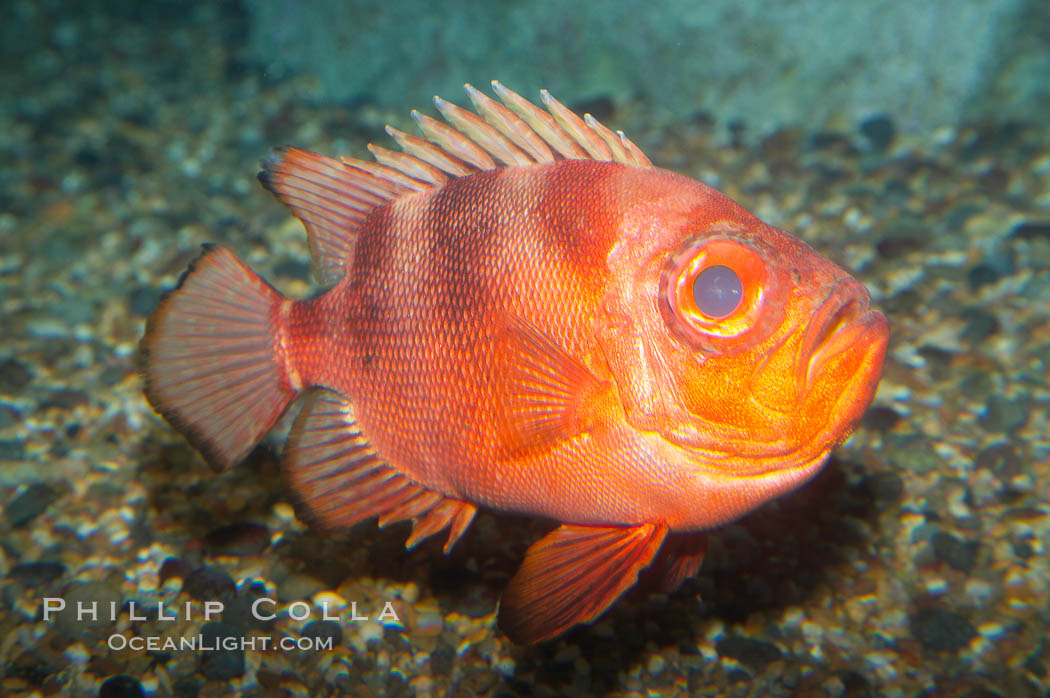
point(914, 565)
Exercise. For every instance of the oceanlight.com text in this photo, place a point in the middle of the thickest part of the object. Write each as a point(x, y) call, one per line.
point(199, 643)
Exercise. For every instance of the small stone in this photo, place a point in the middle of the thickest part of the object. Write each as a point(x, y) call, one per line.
point(64, 399)
point(12, 449)
point(208, 583)
point(172, 568)
point(238, 539)
point(324, 629)
point(881, 418)
point(1031, 229)
point(220, 664)
point(121, 686)
point(879, 130)
point(941, 630)
point(97, 596)
point(14, 376)
point(1006, 414)
point(884, 486)
point(980, 325)
point(752, 653)
point(441, 658)
point(296, 587)
point(144, 299)
point(34, 574)
point(30, 503)
point(957, 554)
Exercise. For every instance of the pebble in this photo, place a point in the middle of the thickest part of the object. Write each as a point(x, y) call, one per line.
point(121, 686)
point(12, 449)
point(30, 503)
point(98, 596)
point(752, 653)
point(14, 376)
point(441, 658)
point(34, 574)
point(941, 630)
point(238, 539)
point(959, 555)
point(220, 664)
point(324, 629)
point(1007, 414)
point(208, 583)
point(879, 130)
point(64, 399)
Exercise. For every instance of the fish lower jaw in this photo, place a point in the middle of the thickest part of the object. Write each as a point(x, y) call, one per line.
point(724, 496)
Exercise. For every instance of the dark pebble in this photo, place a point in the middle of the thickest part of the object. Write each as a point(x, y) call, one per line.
point(65, 399)
point(879, 130)
point(238, 539)
point(173, 568)
point(980, 325)
point(14, 376)
point(33, 574)
point(884, 486)
point(238, 609)
point(208, 583)
point(101, 594)
point(30, 503)
point(220, 664)
point(754, 654)
point(121, 686)
point(30, 667)
point(292, 268)
point(1031, 229)
point(12, 449)
point(941, 630)
point(144, 299)
point(1002, 459)
point(958, 555)
point(324, 629)
point(187, 686)
point(441, 659)
point(9, 416)
point(881, 418)
point(1006, 414)
point(982, 275)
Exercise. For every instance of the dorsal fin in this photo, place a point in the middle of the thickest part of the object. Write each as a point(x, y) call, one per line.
point(334, 197)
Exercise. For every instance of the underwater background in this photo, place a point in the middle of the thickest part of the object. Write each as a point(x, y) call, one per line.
point(909, 142)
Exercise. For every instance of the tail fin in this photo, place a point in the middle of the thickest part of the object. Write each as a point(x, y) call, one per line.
point(211, 357)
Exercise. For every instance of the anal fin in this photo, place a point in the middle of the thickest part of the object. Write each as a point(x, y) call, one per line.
point(342, 480)
point(572, 575)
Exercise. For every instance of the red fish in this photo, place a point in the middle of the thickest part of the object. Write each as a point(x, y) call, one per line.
point(525, 315)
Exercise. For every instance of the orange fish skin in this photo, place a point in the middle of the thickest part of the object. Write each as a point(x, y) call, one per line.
point(543, 244)
point(573, 334)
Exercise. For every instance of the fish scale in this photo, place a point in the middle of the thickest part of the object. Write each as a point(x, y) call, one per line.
point(519, 320)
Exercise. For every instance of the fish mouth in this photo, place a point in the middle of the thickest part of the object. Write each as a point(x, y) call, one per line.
point(843, 322)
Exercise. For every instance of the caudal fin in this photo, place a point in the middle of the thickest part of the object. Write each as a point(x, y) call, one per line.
point(210, 357)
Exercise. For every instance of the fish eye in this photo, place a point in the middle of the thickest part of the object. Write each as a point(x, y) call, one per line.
point(717, 291)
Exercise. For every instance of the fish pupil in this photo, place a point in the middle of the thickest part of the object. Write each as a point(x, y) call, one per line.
point(717, 291)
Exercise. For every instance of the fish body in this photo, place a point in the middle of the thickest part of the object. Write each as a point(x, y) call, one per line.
point(526, 316)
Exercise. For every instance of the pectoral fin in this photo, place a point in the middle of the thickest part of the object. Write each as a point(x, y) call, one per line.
point(548, 394)
point(572, 576)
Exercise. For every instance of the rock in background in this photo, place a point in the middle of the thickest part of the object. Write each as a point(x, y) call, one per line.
point(815, 63)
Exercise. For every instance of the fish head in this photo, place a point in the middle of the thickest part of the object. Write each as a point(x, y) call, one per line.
point(734, 342)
